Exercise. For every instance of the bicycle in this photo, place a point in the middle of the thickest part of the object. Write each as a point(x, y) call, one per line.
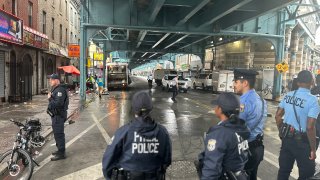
point(18, 162)
point(267, 90)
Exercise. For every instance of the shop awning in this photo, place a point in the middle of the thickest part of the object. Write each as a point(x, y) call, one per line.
point(70, 69)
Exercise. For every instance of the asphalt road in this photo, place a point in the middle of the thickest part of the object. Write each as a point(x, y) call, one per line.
point(186, 121)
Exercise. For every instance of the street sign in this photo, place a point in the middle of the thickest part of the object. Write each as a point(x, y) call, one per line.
point(74, 50)
point(282, 67)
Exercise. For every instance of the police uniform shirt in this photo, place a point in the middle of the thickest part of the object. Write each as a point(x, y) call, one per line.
point(175, 81)
point(59, 99)
point(250, 111)
point(226, 148)
point(306, 106)
point(138, 147)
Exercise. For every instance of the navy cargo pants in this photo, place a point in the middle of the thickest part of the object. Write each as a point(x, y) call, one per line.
point(291, 150)
point(58, 131)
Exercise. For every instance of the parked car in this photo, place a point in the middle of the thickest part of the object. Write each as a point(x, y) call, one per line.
point(167, 83)
point(203, 80)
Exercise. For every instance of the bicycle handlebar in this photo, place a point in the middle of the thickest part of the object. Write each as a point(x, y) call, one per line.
point(17, 123)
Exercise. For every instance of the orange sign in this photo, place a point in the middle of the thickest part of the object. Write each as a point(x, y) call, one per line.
point(74, 50)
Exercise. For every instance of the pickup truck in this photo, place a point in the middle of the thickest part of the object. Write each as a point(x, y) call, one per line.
point(182, 83)
point(203, 80)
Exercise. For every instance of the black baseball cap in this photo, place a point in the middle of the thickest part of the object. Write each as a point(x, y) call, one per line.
point(305, 76)
point(227, 102)
point(245, 74)
point(54, 76)
point(141, 101)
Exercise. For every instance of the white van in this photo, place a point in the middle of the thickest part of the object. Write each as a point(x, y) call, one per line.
point(222, 81)
point(203, 80)
point(158, 75)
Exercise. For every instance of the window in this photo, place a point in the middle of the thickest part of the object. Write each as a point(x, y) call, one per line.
point(44, 22)
point(53, 2)
point(60, 32)
point(66, 9)
point(14, 7)
point(71, 36)
point(66, 36)
point(30, 9)
point(52, 35)
point(71, 17)
point(75, 18)
point(60, 6)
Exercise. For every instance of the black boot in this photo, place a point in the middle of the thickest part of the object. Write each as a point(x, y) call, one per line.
point(58, 156)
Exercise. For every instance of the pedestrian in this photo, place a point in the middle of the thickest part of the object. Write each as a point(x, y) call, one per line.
point(253, 110)
point(226, 145)
point(57, 109)
point(175, 88)
point(140, 150)
point(100, 86)
point(297, 130)
point(149, 78)
point(316, 89)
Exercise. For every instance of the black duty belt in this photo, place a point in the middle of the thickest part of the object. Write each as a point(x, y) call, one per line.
point(257, 142)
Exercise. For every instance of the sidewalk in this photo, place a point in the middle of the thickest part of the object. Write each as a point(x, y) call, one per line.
point(32, 109)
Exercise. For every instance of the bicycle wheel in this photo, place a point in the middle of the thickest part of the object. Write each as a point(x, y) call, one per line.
point(19, 168)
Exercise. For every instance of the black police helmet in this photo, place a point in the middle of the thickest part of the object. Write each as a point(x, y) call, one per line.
point(141, 102)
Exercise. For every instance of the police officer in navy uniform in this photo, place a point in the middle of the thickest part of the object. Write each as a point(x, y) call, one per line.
point(253, 110)
point(226, 147)
point(140, 150)
point(297, 130)
point(57, 109)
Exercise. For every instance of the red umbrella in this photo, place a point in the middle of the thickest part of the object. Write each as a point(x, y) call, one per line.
point(70, 69)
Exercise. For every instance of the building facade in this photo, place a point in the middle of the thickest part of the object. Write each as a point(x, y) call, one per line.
point(20, 50)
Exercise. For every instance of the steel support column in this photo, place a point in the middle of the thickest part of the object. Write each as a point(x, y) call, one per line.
point(105, 55)
point(83, 45)
point(280, 43)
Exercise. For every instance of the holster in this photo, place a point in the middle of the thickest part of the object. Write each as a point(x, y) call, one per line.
point(239, 175)
point(284, 130)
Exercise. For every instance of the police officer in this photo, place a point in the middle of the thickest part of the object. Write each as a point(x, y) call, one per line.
point(57, 108)
point(253, 110)
point(140, 150)
point(175, 88)
point(226, 147)
point(297, 130)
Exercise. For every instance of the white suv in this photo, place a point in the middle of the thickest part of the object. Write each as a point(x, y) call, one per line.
point(204, 81)
point(167, 82)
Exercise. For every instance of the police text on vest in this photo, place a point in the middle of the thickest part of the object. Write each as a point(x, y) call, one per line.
point(143, 145)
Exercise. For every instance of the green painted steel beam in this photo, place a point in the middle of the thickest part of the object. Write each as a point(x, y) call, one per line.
point(180, 30)
point(181, 3)
point(130, 47)
point(262, 7)
point(154, 10)
point(311, 5)
point(220, 9)
point(195, 9)
point(160, 40)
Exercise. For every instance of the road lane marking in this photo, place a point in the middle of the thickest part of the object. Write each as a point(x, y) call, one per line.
point(92, 172)
point(273, 159)
point(102, 130)
point(48, 159)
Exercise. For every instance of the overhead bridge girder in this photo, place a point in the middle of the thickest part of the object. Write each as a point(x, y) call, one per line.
point(131, 47)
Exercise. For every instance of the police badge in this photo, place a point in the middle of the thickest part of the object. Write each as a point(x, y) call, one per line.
point(211, 144)
point(241, 107)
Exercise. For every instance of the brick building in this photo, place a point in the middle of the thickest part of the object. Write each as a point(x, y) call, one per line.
point(20, 50)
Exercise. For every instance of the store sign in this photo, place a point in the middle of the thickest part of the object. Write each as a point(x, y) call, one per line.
point(74, 50)
point(10, 28)
point(282, 67)
point(34, 38)
point(98, 56)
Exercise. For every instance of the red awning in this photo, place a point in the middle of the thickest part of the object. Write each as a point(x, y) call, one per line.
point(70, 69)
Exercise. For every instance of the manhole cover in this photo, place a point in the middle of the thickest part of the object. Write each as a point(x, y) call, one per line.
point(181, 169)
